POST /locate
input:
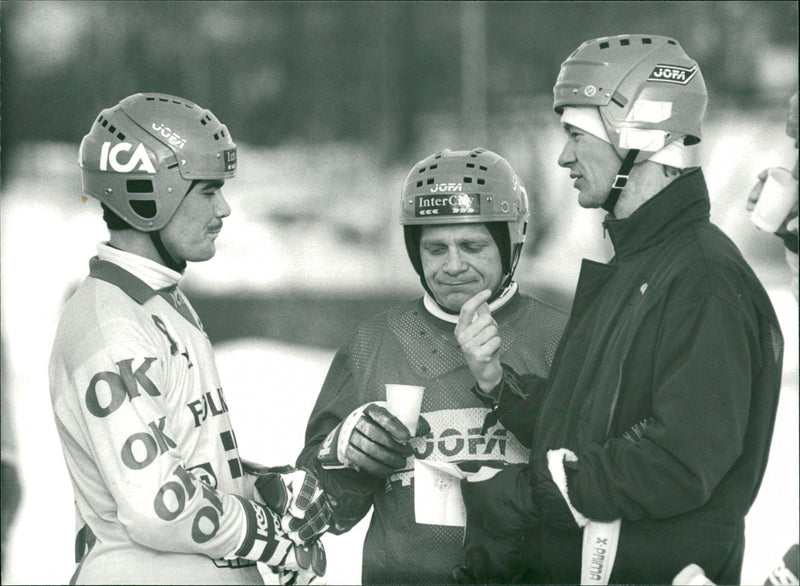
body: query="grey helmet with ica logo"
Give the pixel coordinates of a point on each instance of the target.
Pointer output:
(142, 156)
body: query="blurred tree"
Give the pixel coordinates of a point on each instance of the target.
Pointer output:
(354, 71)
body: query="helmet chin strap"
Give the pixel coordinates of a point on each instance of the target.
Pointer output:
(169, 261)
(447, 315)
(620, 181)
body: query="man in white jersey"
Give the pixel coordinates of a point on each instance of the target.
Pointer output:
(161, 494)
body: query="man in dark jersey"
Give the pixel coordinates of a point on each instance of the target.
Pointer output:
(465, 215)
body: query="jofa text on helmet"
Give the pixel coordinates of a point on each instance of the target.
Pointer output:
(446, 187)
(672, 74)
(110, 156)
(172, 137)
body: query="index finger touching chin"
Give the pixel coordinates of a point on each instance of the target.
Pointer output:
(472, 304)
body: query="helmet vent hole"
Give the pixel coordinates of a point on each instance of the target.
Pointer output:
(139, 186)
(103, 122)
(467, 179)
(604, 45)
(647, 41)
(112, 129)
(481, 182)
(419, 183)
(432, 167)
(216, 136)
(483, 168)
(144, 208)
(120, 136)
(625, 42)
(422, 169)
(470, 165)
(430, 181)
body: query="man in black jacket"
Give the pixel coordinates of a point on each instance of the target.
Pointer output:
(651, 435)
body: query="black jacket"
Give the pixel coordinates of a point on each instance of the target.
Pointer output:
(665, 385)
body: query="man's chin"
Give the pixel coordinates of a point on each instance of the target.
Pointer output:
(454, 301)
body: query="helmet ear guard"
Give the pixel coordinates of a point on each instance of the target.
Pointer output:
(141, 157)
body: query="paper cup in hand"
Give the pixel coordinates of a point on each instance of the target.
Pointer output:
(778, 197)
(404, 402)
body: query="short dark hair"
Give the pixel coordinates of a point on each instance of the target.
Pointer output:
(112, 220)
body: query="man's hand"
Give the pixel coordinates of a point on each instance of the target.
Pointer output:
(302, 565)
(479, 337)
(371, 440)
(297, 496)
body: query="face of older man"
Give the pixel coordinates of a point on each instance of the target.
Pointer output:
(592, 163)
(458, 261)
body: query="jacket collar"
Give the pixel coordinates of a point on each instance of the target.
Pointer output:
(683, 201)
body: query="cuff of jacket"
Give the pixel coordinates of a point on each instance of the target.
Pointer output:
(558, 472)
(509, 383)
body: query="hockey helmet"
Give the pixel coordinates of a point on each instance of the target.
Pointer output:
(648, 90)
(141, 156)
(465, 187)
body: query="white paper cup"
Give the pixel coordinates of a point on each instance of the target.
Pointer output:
(778, 197)
(404, 402)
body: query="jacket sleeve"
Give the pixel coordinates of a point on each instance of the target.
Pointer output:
(122, 403)
(707, 353)
(515, 401)
(349, 492)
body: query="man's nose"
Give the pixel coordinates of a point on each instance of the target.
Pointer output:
(455, 263)
(223, 209)
(567, 156)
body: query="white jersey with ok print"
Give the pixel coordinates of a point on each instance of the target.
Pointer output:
(146, 434)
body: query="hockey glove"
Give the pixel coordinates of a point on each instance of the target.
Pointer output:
(302, 565)
(298, 498)
(371, 440)
(264, 541)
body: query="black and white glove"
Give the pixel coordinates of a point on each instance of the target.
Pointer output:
(303, 564)
(371, 440)
(297, 497)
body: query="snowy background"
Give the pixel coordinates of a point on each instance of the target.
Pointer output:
(48, 235)
(320, 98)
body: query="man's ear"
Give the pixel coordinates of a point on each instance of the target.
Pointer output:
(672, 172)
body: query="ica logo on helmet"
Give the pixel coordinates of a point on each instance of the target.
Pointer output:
(672, 74)
(138, 161)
